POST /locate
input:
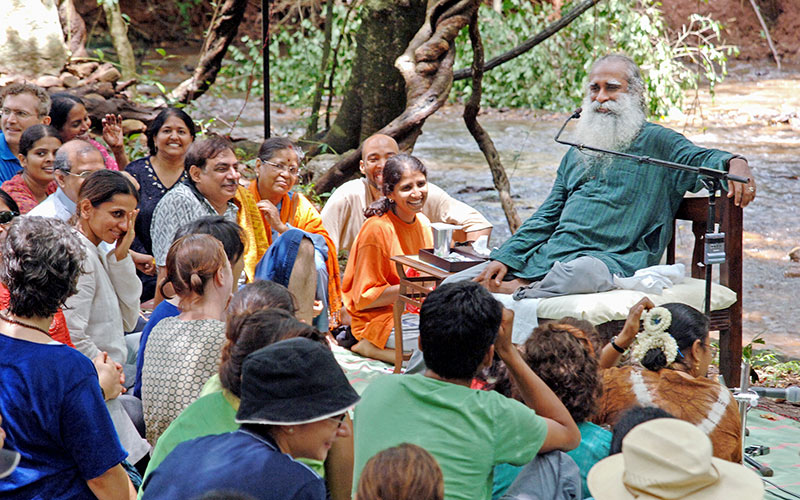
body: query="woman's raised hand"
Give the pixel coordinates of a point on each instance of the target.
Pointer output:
(631, 327)
(272, 214)
(112, 131)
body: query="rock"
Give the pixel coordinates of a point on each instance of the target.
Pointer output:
(69, 80)
(93, 97)
(48, 81)
(31, 40)
(83, 70)
(794, 254)
(131, 126)
(105, 73)
(320, 164)
(793, 271)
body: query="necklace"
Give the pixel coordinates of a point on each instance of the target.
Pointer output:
(26, 325)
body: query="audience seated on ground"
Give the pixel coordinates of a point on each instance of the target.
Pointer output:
(668, 458)
(183, 351)
(395, 226)
(22, 105)
(168, 138)
(289, 219)
(230, 235)
(68, 115)
(675, 352)
(400, 473)
(563, 357)
(37, 151)
(52, 396)
(468, 431)
(294, 398)
(343, 213)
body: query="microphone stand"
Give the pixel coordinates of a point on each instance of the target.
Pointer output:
(711, 179)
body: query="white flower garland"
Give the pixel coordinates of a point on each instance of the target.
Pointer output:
(655, 335)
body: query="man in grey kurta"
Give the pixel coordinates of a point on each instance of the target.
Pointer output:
(606, 215)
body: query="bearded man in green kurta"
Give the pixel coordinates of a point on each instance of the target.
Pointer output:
(606, 215)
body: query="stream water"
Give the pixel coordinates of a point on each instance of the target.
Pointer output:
(755, 113)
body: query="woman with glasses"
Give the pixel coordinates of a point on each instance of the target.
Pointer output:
(278, 169)
(36, 181)
(168, 138)
(294, 399)
(69, 116)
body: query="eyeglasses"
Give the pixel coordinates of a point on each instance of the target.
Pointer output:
(22, 115)
(7, 216)
(293, 170)
(82, 175)
(339, 419)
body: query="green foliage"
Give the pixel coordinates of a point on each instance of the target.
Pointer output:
(295, 57)
(552, 75)
(769, 365)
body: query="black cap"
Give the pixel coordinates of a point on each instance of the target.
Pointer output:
(291, 382)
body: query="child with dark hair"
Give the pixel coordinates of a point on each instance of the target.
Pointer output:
(563, 357)
(674, 349)
(468, 431)
(630, 419)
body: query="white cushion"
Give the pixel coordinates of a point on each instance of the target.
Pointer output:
(598, 308)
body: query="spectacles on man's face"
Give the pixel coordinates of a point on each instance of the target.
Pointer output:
(21, 114)
(7, 216)
(292, 169)
(82, 175)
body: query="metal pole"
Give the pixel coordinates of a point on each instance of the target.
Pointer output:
(265, 62)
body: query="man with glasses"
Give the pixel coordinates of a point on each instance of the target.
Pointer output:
(211, 184)
(22, 105)
(343, 214)
(74, 161)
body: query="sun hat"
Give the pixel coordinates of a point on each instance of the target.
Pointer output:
(292, 382)
(668, 458)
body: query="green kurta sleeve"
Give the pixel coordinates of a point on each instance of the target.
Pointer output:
(617, 210)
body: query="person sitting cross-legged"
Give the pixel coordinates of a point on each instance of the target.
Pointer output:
(468, 431)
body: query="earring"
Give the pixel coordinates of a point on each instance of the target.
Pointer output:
(290, 430)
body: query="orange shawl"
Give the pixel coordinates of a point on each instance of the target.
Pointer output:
(298, 212)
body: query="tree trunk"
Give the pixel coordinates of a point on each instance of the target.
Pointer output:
(74, 28)
(119, 36)
(427, 69)
(223, 29)
(326, 51)
(481, 136)
(375, 93)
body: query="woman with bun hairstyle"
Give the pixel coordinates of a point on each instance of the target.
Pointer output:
(395, 226)
(675, 352)
(183, 351)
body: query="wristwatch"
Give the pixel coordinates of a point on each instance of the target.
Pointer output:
(615, 346)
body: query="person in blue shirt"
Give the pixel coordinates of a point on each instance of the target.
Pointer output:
(22, 105)
(294, 401)
(51, 395)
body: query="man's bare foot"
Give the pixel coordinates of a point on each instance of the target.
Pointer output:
(367, 349)
(507, 287)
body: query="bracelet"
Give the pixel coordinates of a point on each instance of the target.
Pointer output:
(615, 346)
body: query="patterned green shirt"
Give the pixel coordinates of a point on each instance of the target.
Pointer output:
(618, 211)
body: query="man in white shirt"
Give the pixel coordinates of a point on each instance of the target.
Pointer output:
(343, 214)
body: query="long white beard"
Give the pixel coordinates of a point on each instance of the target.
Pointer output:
(614, 129)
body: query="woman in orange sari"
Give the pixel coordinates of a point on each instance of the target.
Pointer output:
(284, 213)
(371, 284)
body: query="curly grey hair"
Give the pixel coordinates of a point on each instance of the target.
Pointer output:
(41, 263)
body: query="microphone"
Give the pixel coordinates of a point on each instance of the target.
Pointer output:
(791, 394)
(575, 114)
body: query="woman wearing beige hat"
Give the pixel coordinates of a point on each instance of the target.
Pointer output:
(670, 459)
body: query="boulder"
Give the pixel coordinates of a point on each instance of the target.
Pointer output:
(320, 164)
(83, 70)
(794, 254)
(48, 81)
(130, 126)
(31, 40)
(69, 80)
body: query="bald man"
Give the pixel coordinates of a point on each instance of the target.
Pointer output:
(343, 214)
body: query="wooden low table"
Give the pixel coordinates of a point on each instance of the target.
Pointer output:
(413, 290)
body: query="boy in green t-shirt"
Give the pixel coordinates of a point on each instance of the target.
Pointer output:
(467, 431)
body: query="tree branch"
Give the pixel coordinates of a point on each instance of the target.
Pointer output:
(480, 135)
(531, 42)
